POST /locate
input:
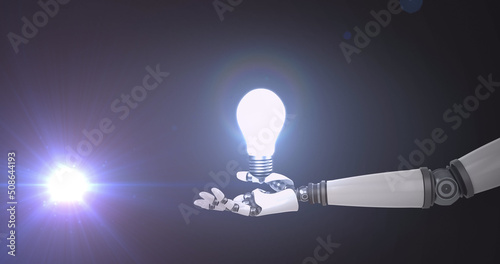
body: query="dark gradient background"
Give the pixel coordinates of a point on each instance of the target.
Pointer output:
(345, 120)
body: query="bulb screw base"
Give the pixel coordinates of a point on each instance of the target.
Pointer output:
(260, 166)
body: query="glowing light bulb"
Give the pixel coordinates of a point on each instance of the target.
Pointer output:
(261, 116)
(67, 185)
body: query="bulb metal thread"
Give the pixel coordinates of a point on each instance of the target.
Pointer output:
(260, 166)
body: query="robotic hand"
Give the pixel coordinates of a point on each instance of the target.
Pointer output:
(471, 174)
(255, 203)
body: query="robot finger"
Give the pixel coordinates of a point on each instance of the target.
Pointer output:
(239, 199)
(223, 201)
(219, 195)
(242, 209)
(209, 202)
(208, 205)
(247, 177)
(207, 196)
(238, 206)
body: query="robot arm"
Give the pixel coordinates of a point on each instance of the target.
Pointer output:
(473, 173)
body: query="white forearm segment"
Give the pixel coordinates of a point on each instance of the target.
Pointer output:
(389, 189)
(475, 172)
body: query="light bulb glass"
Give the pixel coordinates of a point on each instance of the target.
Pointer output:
(261, 116)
